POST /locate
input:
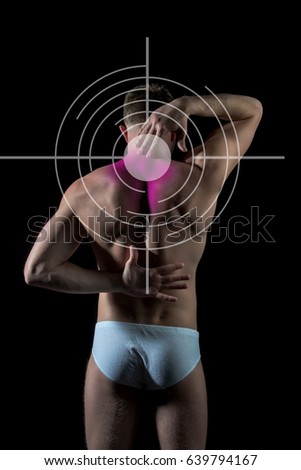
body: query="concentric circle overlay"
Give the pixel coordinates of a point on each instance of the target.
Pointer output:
(144, 168)
(147, 157)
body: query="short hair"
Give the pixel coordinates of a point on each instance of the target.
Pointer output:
(134, 110)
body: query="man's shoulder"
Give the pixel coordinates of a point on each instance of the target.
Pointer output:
(182, 170)
(86, 185)
(96, 177)
(98, 174)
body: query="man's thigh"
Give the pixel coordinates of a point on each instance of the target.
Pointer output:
(182, 413)
(111, 411)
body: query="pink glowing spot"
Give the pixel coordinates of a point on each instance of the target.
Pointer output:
(151, 166)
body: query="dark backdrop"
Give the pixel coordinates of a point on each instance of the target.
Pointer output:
(46, 336)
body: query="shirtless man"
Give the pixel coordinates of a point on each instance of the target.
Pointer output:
(144, 340)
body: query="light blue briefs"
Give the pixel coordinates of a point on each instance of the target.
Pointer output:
(149, 357)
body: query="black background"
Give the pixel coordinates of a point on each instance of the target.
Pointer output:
(46, 336)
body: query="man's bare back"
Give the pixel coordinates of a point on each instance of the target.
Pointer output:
(107, 208)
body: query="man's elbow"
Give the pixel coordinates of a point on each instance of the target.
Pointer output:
(257, 108)
(35, 274)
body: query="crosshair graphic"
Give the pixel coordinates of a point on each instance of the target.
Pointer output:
(117, 86)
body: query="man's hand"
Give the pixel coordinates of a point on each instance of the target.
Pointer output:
(170, 117)
(161, 277)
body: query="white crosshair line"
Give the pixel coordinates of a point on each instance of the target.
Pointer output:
(147, 77)
(147, 255)
(106, 157)
(116, 157)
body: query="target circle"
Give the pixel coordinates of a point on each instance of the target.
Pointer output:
(145, 173)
